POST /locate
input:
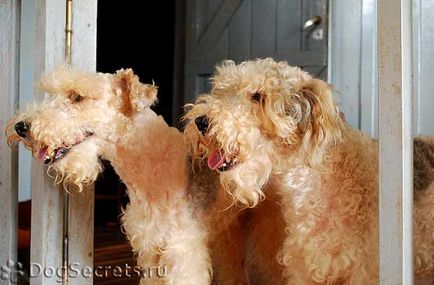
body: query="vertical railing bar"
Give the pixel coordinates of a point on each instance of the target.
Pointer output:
(81, 205)
(407, 88)
(10, 11)
(65, 238)
(395, 135)
(46, 240)
(65, 229)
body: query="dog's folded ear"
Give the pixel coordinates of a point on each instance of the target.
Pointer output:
(322, 124)
(135, 96)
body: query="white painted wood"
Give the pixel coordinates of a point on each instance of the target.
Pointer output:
(26, 90)
(81, 214)
(424, 66)
(369, 70)
(46, 242)
(47, 200)
(407, 139)
(352, 68)
(364, 97)
(417, 37)
(344, 56)
(395, 135)
(9, 33)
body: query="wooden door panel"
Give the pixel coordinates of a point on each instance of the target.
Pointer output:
(240, 45)
(249, 29)
(263, 19)
(288, 27)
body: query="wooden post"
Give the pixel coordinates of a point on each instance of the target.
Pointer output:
(81, 216)
(9, 35)
(396, 143)
(46, 237)
(47, 201)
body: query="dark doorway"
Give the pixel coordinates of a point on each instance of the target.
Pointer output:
(138, 35)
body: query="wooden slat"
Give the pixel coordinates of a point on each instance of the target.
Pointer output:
(395, 136)
(345, 46)
(368, 70)
(310, 9)
(240, 42)
(220, 48)
(309, 58)
(288, 27)
(46, 242)
(9, 35)
(190, 86)
(212, 8)
(81, 216)
(264, 30)
(26, 90)
(424, 65)
(47, 200)
(218, 24)
(201, 9)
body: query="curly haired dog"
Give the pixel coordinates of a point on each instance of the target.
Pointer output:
(177, 211)
(269, 125)
(90, 115)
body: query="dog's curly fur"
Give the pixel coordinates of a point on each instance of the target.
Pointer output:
(91, 115)
(279, 128)
(178, 216)
(423, 209)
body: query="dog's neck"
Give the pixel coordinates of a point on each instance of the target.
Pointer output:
(151, 157)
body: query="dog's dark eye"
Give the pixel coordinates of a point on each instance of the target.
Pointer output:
(75, 97)
(256, 96)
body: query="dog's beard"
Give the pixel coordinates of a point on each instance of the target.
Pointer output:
(78, 168)
(246, 180)
(246, 173)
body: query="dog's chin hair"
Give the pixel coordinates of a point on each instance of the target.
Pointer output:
(74, 175)
(246, 180)
(13, 140)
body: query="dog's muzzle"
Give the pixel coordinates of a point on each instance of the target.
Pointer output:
(22, 128)
(202, 124)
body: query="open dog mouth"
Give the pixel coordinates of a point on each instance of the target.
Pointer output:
(217, 159)
(59, 152)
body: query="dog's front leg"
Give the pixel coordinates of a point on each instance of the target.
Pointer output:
(186, 254)
(171, 245)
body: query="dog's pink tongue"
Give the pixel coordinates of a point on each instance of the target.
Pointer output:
(215, 159)
(42, 153)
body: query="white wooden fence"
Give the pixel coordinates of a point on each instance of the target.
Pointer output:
(9, 27)
(396, 141)
(47, 202)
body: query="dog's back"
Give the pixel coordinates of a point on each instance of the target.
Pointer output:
(423, 162)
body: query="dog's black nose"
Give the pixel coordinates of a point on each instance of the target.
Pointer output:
(202, 124)
(22, 128)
